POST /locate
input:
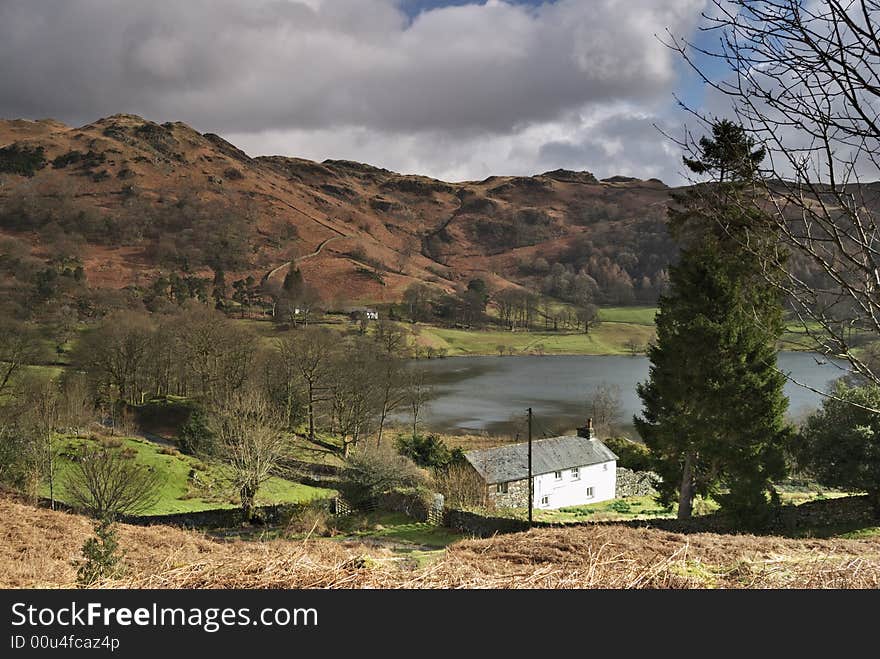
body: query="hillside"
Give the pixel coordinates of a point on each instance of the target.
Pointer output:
(37, 548)
(122, 202)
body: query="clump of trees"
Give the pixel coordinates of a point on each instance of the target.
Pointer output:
(517, 308)
(22, 160)
(429, 451)
(839, 445)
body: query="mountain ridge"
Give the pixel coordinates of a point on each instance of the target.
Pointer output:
(247, 215)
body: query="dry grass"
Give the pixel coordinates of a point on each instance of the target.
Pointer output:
(38, 547)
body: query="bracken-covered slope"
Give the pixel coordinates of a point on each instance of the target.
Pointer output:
(132, 199)
(39, 549)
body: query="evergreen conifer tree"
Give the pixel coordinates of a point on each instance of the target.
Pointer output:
(714, 404)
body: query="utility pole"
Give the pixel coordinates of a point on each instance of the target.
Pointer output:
(531, 486)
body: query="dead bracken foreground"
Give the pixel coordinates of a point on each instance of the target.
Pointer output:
(38, 547)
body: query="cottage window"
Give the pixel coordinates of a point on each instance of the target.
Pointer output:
(605, 467)
(575, 473)
(589, 492)
(558, 475)
(545, 501)
(501, 488)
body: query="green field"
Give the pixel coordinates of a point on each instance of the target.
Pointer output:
(647, 507)
(606, 339)
(190, 484)
(629, 508)
(632, 315)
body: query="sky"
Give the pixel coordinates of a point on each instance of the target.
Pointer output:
(454, 89)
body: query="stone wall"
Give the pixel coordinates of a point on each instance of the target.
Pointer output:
(481, 525)
(635, 483)
(414, 504)
(226, 517)
(517, 495)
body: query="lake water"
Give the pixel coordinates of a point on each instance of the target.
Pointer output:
(474, 394)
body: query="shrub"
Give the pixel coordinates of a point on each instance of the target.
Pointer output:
(840, 444)
(101, 555)
(429, 451)
(630, 454)
(374, 471)
(107, 484)
(312, 519)
(461, 487)
(196, 436)
(68, 158)
(619, 506)
(22, 160)
(371, 274)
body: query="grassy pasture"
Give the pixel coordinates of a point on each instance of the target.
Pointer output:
(190, 485)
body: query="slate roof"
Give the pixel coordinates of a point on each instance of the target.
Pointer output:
(511, 461)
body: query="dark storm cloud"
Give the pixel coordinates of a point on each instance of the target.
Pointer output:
(293, 68)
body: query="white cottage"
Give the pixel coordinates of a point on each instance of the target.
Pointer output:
(570, 470)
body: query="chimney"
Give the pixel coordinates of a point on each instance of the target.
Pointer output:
(587, 431)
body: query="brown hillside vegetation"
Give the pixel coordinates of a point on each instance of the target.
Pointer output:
(130, 199)
(38, 547)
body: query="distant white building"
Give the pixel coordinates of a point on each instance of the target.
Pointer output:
(358, 313)
(571, 470)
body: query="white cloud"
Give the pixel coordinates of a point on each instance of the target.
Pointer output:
(459, 92)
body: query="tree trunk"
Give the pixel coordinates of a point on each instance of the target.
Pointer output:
(311, 412)
(382, 418)
(686, 495)
(248, 493)
(51, 465)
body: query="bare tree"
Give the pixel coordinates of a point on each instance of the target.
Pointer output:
(76, 403)
(217, 351)
(804, 80)
(43, 413)
(461, 486)
(390, 371)
(635, 348)
(116, 356)
(605, 406)
(418, 395)
(308, 356)
(251, 440)
(355, 392)
(18, 347)
(587, 314)
(107, 483)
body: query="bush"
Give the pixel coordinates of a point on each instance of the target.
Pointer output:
(429, 451)
(461, 487)
(619, 506)
(375, 471)
(106, 483)
(101, 555)
(22, 160)
(840, 444)
(630, 454)
(312, 519)
(196, 436)
(67, 159)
